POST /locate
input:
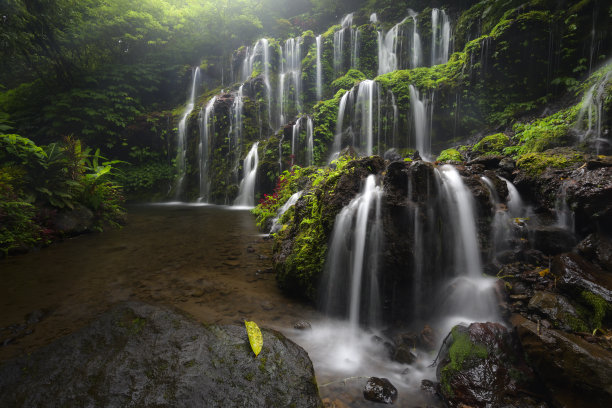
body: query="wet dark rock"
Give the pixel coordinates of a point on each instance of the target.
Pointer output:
(74, 222)
(392, 155)
(482, 366)
(489, 161)
(576, 372)
(557, 309)
(428, 338)
(507, 164)
(403, 354)
(589, 194)
(380, 390)
(552, 240)
(574, 275)
(416, 156)
(428, 386)
(142, 355)
(302, 325)
(597, 248)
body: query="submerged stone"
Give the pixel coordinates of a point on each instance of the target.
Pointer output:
(380, 390)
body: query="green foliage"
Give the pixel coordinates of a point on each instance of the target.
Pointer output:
(53, 177)
(450, 155)
(543, 134)
(146, 177)
(536, 163)
(492, 144)
(346, 82)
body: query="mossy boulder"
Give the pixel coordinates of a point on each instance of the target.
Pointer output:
(450, 155)
(535, 164)
(491, 145)
(480, 366)
(144, 355)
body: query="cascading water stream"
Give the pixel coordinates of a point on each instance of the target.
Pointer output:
(353, 255)
(290, 68)
(416, 55)
(246, 194)
(593, 107)
(346, 24)
(319, 70)
(295, 136)
(389, 48)
(440, 36)
(421, 119)
(309, 142)
(516, 207)
(364, 105)
(340, 120)
(206, 130)
(469, 296)
(236, 130)
(181, 148)
(276, 225)
(500, 223)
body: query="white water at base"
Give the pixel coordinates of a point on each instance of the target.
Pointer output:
(246, 194)
(344, 357)
(181, 161)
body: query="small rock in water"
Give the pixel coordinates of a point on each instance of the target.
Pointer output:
(428, 338)
(403, 355)
(380, 390)
(428, 386)
(302, 325)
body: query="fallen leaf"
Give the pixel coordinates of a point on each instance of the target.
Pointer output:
(255, 337)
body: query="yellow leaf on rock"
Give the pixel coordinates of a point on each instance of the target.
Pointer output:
(255, 337)
(544, 272)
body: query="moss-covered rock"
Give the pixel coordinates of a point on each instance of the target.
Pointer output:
(450, 155)
(536, 163)
(480, 366)
(491, 145)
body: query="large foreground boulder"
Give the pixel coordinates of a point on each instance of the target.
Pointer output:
(143, 355)
(481, 366)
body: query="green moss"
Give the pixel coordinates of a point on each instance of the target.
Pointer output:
(599, 308)
(492, 144)
(536, 163)
(462, 350)
(450, 155)
(349, 80)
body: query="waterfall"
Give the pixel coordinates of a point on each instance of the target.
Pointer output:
(290, 68)
(181, 160)
(345, 24)
(236, 129)
(364, 105)
(338, 136)
(500, 223)
(295, 137)
(421, 121)
(246, 194)
(440, 36)
(276, 225)
(468, 295)
(389, 48)
(516, 208)
(565, 215)
(352, 260)
(593, 107)
(309, 142)
(355, 38)
(319, 70)
(373, 18)
(261, 48)
(206, 130)
(416, 57)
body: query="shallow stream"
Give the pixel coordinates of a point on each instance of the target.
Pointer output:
(209, 261)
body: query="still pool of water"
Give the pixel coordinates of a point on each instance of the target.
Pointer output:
(209, 261)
